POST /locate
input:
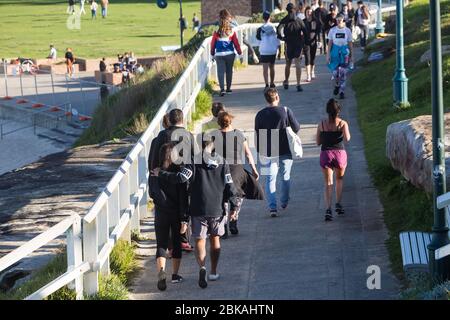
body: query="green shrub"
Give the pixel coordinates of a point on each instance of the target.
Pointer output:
(123, 260)
(110, 288)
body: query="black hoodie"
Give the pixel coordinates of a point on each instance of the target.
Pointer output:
(294, 30)
(212, 185)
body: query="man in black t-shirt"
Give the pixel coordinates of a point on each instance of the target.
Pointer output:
(321, 13)
(269, 122)
(293, 32)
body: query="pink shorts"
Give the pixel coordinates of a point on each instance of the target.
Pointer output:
(333, 159)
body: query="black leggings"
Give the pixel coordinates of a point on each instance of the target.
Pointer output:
(310, 54)
(167, 227)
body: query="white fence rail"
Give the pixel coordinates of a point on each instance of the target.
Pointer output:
(123, 202)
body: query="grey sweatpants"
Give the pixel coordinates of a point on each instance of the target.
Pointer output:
(225, 66)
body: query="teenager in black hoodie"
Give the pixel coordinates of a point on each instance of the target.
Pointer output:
(212, 185)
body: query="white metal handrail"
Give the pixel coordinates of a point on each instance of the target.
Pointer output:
(123, 202)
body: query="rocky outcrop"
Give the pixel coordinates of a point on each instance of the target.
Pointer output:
(409, 149)
(39, 195)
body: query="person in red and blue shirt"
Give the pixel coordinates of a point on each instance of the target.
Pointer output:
(224, 46)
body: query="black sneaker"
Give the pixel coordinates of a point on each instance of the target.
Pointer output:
(202, 278)
(233, 227)
(299, 88)
(285, 85)
(272, 85)
(266, 87)
(225, 235)
(273, 213)
(229, 91)
(339, 209)
(176, 278)
(162, 280)
(336, 90)
(222, 93)
(341, 96)
(328, 215)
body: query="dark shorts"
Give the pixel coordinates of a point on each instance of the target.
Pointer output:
(333, 159)
(204, 226)
(293, 50)
(268, 59)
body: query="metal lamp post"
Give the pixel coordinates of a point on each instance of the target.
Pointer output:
(440, 269)
(400, 80)
(379, 27)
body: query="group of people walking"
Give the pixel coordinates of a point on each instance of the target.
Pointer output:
(304, 31)
(202, 181)
(94, 7)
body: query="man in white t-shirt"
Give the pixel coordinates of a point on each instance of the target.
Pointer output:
(268, 48)
(339, 57)
(52, 54)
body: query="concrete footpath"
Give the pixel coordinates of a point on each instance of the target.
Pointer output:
(296, 255)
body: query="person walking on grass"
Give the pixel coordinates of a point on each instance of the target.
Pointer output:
(71, 7)
(268, 48)
(104, 4)
(224, 43)
(310, 48)
(292, 30)
(170, 196)
(82, 11)
(339, 57)
(212, 185)
(331, 135)
(231, 145)
(94, 7)
(275, 157)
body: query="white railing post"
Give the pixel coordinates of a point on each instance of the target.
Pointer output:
(103, 236)
(142, 176)
(114, 209)
(134, 187)
(75, 255)
(90, 254)
(124, 201)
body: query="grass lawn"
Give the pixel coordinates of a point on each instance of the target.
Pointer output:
(29, 26)
(406, 207)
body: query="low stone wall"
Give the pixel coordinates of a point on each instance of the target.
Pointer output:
(409, 149)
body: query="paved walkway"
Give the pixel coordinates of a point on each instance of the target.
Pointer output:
(297, 255)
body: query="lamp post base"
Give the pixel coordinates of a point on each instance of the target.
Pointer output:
(400, 87)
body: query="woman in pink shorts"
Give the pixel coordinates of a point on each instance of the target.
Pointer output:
(331, 135)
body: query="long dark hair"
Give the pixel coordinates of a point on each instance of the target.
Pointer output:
(165, 155)
(225, 28)
(333, 109)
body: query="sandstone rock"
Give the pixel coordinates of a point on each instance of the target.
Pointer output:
(427, 55)
(409, 149)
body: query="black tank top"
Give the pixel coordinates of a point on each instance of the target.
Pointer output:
(332, 140)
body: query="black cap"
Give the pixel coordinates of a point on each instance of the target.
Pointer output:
(266, 15)
(332, 6)
(289, 7)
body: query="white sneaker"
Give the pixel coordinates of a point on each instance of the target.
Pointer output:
(308, 79)
(313, 75)
(213, 277)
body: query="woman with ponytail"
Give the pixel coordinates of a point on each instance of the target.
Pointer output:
(224, 43)
(331, 135)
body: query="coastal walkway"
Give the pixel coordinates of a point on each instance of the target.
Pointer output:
(296, 255)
